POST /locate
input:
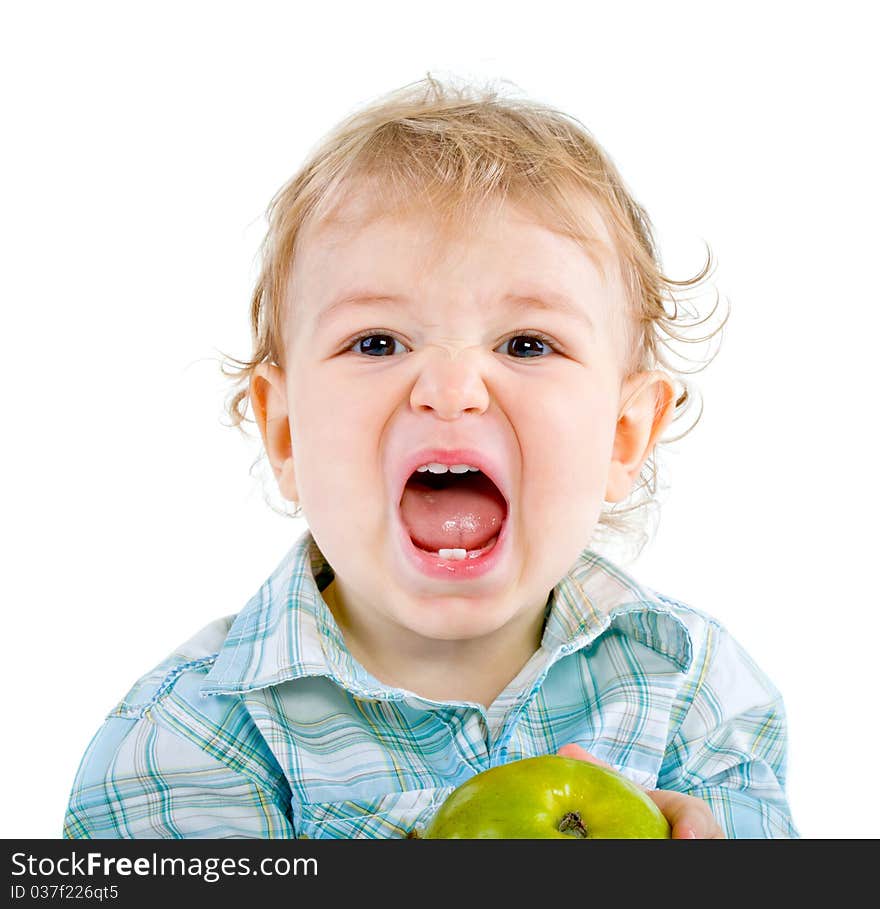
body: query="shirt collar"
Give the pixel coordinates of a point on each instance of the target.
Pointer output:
(286, 631)
(595, 595)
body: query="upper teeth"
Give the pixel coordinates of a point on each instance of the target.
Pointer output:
(434, 467)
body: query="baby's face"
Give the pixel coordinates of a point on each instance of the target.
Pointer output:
(445, 371)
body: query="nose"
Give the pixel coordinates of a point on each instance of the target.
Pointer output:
(450, 384)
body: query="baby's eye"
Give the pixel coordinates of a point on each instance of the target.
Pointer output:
(528, 345)
(520, 346)
(375, 345)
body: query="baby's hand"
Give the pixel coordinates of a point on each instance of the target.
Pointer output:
(689, 817)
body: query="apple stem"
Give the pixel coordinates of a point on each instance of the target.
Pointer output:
(572, 825)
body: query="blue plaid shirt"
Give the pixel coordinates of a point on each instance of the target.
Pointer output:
(264, 725)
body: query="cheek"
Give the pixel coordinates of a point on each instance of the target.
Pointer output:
(336, 431)
(567, 451)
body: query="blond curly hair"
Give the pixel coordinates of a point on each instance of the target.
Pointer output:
(457, 148)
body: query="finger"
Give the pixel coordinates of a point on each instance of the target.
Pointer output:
(685, 830)
(689, 818)
(575, 751)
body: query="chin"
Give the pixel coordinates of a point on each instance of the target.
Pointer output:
(454, 619)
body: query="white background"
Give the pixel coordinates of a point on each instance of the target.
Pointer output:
(141, 145)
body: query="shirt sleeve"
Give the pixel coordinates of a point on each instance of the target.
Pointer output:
(178, 766)
(730, 747)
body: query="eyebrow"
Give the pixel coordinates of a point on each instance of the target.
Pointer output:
(543, 301)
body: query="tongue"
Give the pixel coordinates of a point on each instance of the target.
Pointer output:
(465, 514)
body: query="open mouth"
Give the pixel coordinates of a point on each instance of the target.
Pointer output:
(452, 515)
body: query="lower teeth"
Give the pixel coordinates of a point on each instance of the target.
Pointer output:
(460, 554)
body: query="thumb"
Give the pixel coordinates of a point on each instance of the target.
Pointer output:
(575, 751)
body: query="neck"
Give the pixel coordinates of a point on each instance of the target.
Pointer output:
(475, 670)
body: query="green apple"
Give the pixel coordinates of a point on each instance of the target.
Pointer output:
(549, 797)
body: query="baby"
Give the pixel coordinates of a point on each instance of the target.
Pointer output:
(457, 376)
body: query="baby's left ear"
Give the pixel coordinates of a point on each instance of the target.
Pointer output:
(647, 407)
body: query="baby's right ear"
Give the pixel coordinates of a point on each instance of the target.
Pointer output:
(268, 396)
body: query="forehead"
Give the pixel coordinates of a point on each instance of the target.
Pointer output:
(349, 217)
(514, 248)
